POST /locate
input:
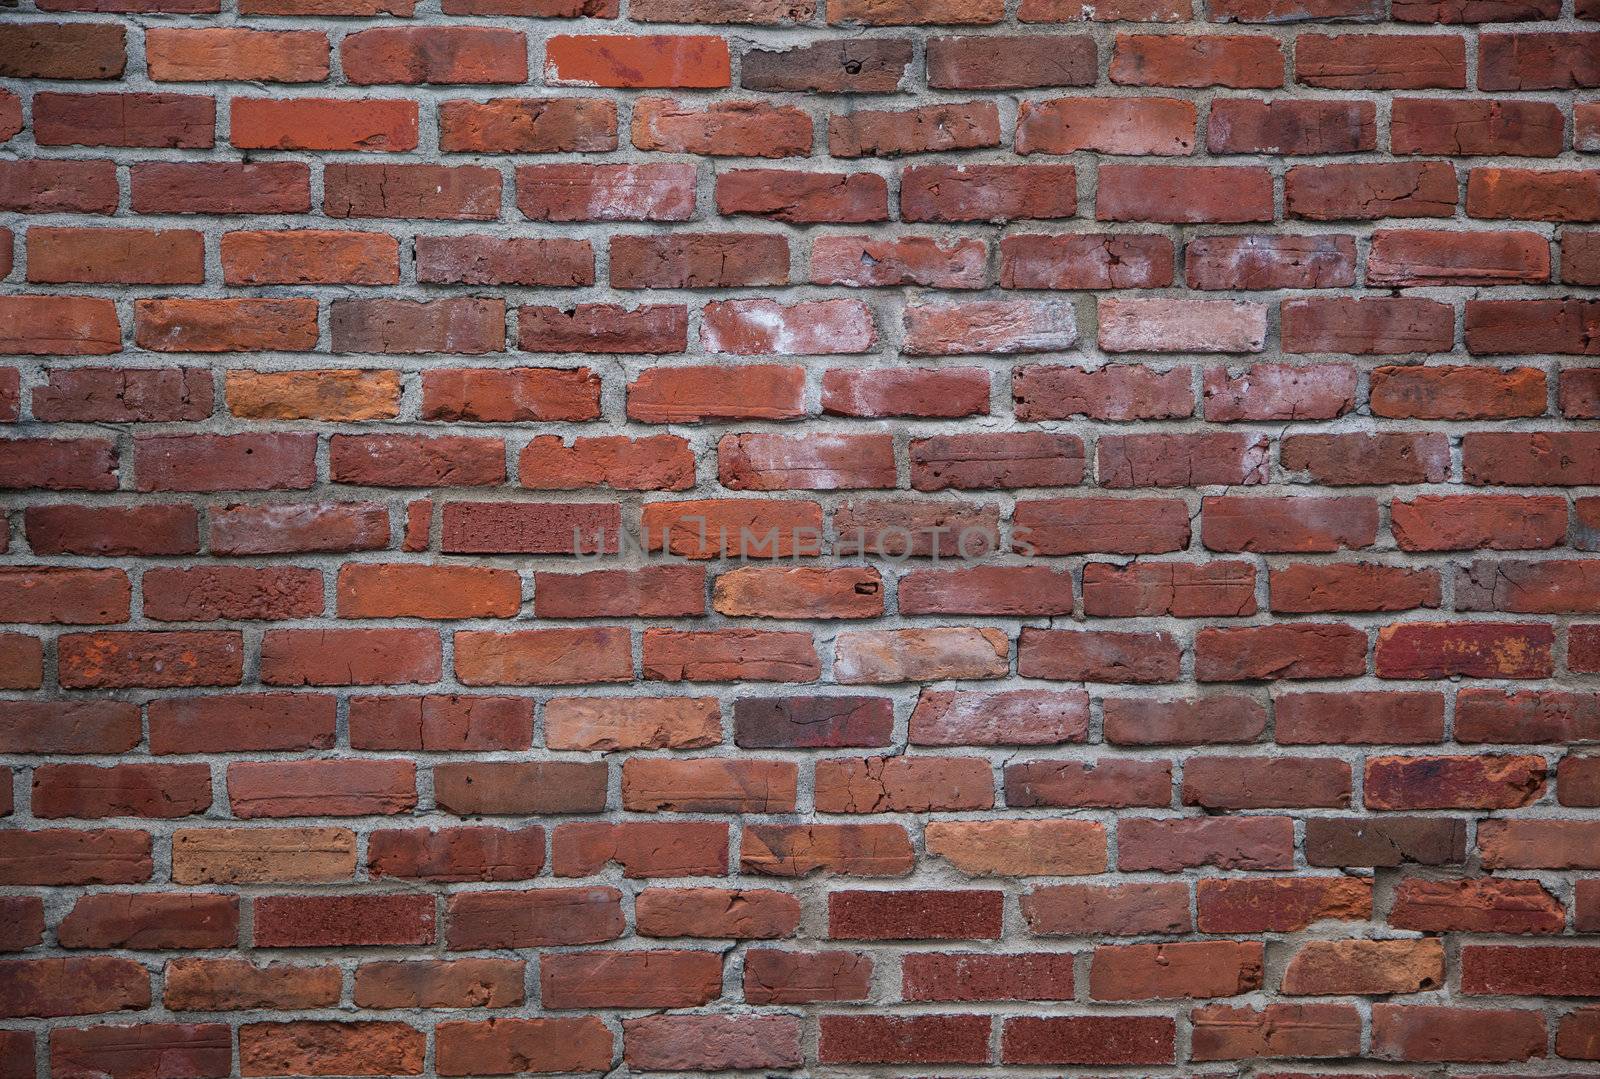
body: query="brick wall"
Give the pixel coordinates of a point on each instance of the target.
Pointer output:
(1174, 428)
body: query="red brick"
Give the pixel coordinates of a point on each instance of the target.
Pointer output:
(653, 979)
(1183, 194)
(1114, 910)
(460, 983)
(1476, 905)
(1385, 841)
(1358, 460)
(235, 984)
(1006, 590)
(59, 326)
(692, 394)
(1465, 522)
(1182, 590)
(1224, 1032)
(812, 722)
(220, 187)
(777, 977)
(1533, 195)
(1249, 126)
(717, 913)
(345, 657)
(1469, 649)
(642, 849)
(283, 528)
(915, 12)
(244, 722)
(387, 125)
(162, 791)
(1217, 719)
(856, 850)
(512, 395)
(250, 462)
(1266, 261)
(1381, 61)
(764, 327)
(849, 65)
(1265, 783)
(76, 986)
(1359, 718)
(1280, 906)
(505, 1046)
(60, 594)
(803, 197)
(1292, 524)
(603, 328)
(920, 1039)
(21, 661)
(1401, 1032)
(1109, 125)
(406, 461)
(713, 1042)
(929, 129)
(1475, 127)
(709, 260)
(175, 54)
(1401, 257)
(334, 788)
(543, 657)
(1114, 392)
(456, 854)
(1012, 62)
(149, 659)
(1106, 782)
(1537, 844)
(652, 591)
(315, 921)
(729, 655)
(606, 192)
(917, 392)
(1024, 459)
(330, 1048)
(730, 129)
(62, 856)
(1287, 651)
(127, 119)
(1564, 457)
(684, 61)
(1316, 589)
(435, 55)
(115, 256)
(72, 50)
(1098, 656)
(146, 1050)
(756, 528)
(1369, 191)
(968, 914)
(230, 325)
(540, 918)
(506, 125)
(987, 192)
(429, 192)
(1196, 969)
(1099, 525)
(1242, 61)
(1096, 1039)
(708, 785)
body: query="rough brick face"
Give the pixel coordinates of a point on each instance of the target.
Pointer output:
(710, 536)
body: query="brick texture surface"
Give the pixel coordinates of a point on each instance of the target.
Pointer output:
(804, 537)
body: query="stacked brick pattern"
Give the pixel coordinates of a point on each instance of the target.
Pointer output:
(1257, 337)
